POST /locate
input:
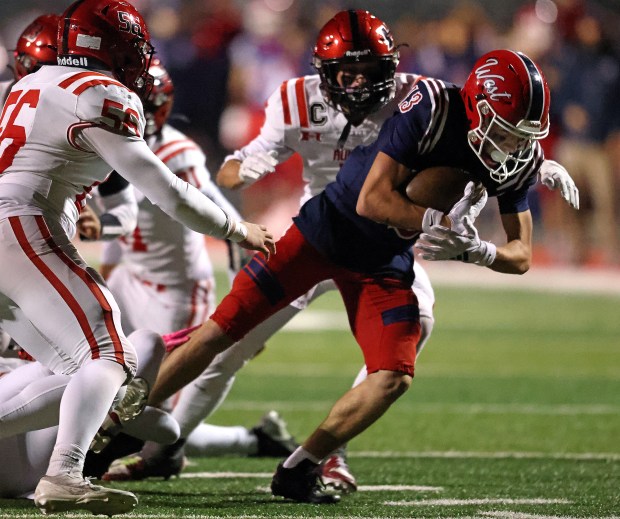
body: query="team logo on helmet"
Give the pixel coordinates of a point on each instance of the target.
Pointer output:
(484, 74)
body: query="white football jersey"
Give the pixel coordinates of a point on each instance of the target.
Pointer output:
(5, 88)
(50, 173)
(298, 119)
(162, 250)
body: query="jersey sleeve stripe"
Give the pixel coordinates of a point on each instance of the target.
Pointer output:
(439, 112)
(72, 134)
(186, 142)
(443, 113)
(176, 152)
(285, 106)
(80, 75)
(302, 107)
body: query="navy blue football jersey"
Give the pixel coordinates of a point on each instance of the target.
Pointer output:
(430, 129)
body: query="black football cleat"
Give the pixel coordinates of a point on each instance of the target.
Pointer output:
(302, 483)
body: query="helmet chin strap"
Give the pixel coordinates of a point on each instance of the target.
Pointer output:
(344, 135)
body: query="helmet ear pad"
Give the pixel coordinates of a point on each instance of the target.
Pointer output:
(356, 38)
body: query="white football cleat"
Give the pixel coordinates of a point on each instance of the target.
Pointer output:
(336, 475)
(130, 407)
(72, 492)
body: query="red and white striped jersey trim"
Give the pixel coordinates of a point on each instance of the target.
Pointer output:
(82, 81)
(174, 148)
(294, 103)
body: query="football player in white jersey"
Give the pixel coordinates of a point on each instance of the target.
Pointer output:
(162, 278)
(161, 275)
(322, 117)
(36, 46)
(64, 128)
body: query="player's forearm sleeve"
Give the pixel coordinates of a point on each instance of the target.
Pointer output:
(134, 161)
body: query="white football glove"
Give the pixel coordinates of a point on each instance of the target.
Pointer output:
(473, 200)
(554, 175)
(257, 165)
(440, 243)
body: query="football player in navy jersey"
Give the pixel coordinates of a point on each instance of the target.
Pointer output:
(350, 233)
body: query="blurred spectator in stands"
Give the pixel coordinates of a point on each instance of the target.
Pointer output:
(448, 47)
(193, 38)
(275, 44)
(585, 107)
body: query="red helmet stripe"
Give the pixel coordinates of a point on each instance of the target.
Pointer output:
(67, 25)
(302, 107)
(536, 106)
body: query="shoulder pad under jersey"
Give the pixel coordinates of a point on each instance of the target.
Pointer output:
(106, 103)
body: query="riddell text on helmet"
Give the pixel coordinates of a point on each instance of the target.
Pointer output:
(72, 62)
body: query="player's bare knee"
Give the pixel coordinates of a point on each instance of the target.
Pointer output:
(392, 384)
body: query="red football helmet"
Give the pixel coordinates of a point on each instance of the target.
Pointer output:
(158, 102)
(36, 46)
(108, 34)
(356, 58)
(507, 103)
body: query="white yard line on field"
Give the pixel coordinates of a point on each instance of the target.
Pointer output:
(226, 475)
(520, 515)
(469, 408)
(486, 501)
(362, 488)
(578, 456)
(398, 488)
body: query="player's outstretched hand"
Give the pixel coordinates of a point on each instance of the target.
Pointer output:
(554, 176)
(259, 239)
(257, 165)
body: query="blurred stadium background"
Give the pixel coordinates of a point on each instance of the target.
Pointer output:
(226, 57)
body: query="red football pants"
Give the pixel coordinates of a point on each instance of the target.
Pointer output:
(383, 313)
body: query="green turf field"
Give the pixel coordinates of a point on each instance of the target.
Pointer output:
(514, 413)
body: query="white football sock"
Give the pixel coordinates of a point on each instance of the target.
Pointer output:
(298, 456)
(213, 440)
(85, 403)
